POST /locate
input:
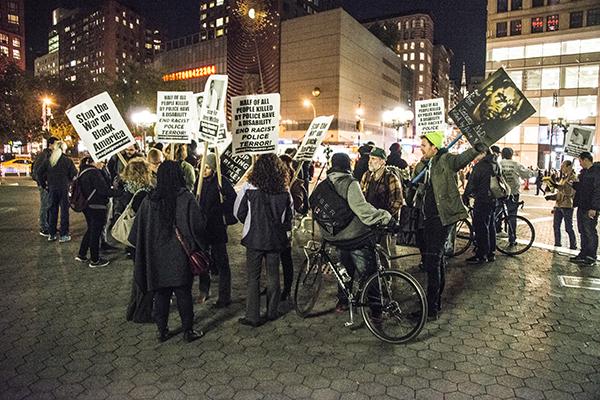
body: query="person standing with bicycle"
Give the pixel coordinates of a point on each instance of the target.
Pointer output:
(441, 207)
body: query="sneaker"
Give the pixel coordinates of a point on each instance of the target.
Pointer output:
(81, 259)
(44, 233)
(588, 262)
(100, 263)
(557, 245)
(64, 239)
(52, 238)
(491, 257)
(577, 258)
(475, 260)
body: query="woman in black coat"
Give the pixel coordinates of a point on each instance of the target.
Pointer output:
(161, 263)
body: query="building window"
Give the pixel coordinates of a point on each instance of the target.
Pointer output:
(501, 6)
(16, 42)
(422, 56)
(533, 79)
(537, 3)
(4, 50)
(515, 27)
(585, 76)
(405, 46)
(550, 78)
(219, 22)
(405, 56)
(516, 5)
(117, 18)
(421, 91)
(552, 23)
(576, 19)
(421, 67)
(412, 56)
(501, 29)
(412, 45)
(421, 78)
(593, 17)
(412, 66)
(220, 32)
(3, 38)
(16, 54)
(553, 2)
(422, 45)
(13, 19)
(537, 25)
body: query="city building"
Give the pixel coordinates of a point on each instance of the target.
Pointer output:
(12, 31)
(318, 65)
(46, 65)
(440, 74)
(551, 49)
(411, 36)
(454, 95)
(153, 44)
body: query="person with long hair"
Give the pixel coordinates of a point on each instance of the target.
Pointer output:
(58, 172)
(264, 206)
(161, 262)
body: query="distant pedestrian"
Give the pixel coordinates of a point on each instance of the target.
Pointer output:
(362, 164)
(539, 181)
(264, 206)
(58, 172)
(161, 263)
(395, 158)
(41, 182)
(563, 208)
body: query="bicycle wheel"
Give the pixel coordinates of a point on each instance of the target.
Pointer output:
(308, 285)
(394, 306)
(464, 237)
(516, 238)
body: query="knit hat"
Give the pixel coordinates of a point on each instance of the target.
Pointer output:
(436, 138)
(378, 152)
(341, 162)
(211, 161)
(395, 147)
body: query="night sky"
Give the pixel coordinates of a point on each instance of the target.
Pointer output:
(460, 25)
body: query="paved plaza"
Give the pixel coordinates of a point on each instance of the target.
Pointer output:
(508, 330)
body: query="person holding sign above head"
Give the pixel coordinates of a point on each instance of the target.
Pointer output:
(264, 206)
(216, 229)
(441, 207)
(168, 221)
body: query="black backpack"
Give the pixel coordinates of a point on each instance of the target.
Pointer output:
(78, 201)
(330, 210)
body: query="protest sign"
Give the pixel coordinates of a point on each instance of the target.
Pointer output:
(492, 110)
(313, 138)
(579, 139)
(234, 167)
(213, 108)
(100, 127)
(177, 117)
(255, 126)
(429, 116)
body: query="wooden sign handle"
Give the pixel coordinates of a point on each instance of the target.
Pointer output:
(202, 167)
(219, 176)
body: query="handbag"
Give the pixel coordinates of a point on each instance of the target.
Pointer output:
(122, 227)
(199, 261)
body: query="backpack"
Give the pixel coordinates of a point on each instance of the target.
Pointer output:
(78, 201)
(122, 227)
(499, 187)
(330, 210)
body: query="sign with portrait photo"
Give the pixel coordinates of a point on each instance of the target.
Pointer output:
(313, 138)
(492, 110)
(255, 125)
(579, 139)
(213, 107)
(100, 127)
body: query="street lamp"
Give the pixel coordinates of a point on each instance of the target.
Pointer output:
(307, 103)
(397, 118)
(46, 113)
(555, 115)
(143, 118)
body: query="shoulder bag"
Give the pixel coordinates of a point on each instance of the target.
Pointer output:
(199, 261)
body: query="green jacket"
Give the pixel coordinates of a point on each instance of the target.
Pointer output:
(444, 167)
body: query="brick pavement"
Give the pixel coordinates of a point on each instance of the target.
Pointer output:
(508, 330)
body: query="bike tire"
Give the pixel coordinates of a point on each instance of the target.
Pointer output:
(464, 237)
(308, 286)
(525, 236)
(404, 305)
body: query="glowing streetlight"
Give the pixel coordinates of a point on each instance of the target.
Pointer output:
(143, 118)
(307, 103)
(46, 112)
(252, 13)
(397, 118)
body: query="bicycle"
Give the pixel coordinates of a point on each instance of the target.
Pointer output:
(392, 303)
(515, 234)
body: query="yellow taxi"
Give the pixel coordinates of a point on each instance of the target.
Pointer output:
(20, 165)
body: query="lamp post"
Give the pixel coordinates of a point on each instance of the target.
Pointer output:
(143, 118)
(555, 115)
(46, 113)
(307, 103)
(397, 118)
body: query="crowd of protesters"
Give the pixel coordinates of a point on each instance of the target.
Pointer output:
(169, 208)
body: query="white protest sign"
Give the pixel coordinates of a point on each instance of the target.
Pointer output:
(213, 104)
(100, 127)
(429, 116)
(579, 139)
(313, 138)
(255, 126)
(177, 117)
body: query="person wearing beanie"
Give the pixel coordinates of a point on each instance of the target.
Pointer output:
(355, 251)
(441, 207)
(216, 230)
(395, 158)
(362, 164)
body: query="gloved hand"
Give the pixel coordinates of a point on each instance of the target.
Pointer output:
(480, 147)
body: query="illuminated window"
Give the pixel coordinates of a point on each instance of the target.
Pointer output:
(422, 45)
(405, 46)
(16, 54)
(117, 18)
(552, 23)
(421, 67)
(593, 17)
(13, 19)
(412, 45)
(517, 78)
(203, 6)
(501, 6)
(421, 78)
(211, 4)
(412, 56)
(137, 21)
(421, 91)
(219, 2)
(219, 22)
(585, 76)
(3, 38)
(550, 78)
(405, 56)
(130, 25)
(202, 17)
(501, 29)
(422, 56)
(515, 27)
(412, 66)
(4, 50)
(73, 63)
(533, 50)
(576, 19)
(73, 78)
(537, 25)
(533, 79)
(219, 32)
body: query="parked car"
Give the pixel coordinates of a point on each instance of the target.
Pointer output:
(20, 165)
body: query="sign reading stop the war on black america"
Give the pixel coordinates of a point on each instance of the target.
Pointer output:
(313, 138)
(100, 127)
(177, 117)
(255, 127)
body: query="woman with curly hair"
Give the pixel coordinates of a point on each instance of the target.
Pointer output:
(264, 206)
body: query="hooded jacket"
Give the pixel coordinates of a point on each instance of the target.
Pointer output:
(94, 179)
(587, 190)
(479, 182)
(513, 172)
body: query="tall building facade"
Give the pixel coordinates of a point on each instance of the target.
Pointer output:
(440, 74)
(12, 31)
(551, 49)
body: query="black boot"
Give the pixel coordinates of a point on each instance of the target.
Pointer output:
(192, 335)
(164, 335)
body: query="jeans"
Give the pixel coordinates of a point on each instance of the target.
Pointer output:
(287, 265)
(254, 261)
(218, 251)
(59, 199)
(484, 227)
(95, 220)
(361, 261)
(434, 260)
(512, 207)
(588, 232)
(185, 306)
(565, 214)
(44, 209)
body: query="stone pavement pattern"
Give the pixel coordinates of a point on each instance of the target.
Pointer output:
(508, 330)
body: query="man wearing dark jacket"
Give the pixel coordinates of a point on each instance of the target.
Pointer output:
(395, 158)
(587, 201)
(483, 210)
(40, 180)
(362, 164)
